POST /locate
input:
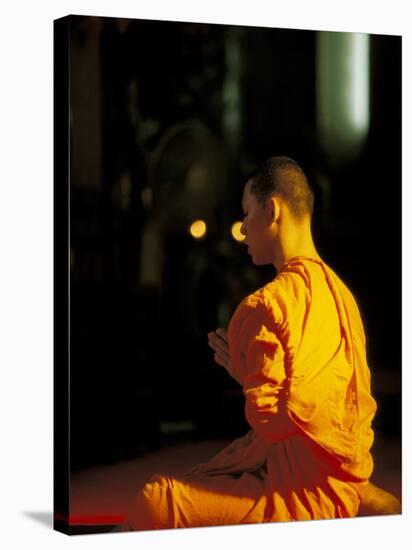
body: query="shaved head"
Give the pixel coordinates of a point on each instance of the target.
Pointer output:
(283, 177)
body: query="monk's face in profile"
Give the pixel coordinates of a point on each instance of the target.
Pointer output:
(257, 227)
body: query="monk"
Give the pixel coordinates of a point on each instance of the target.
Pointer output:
(297, 347)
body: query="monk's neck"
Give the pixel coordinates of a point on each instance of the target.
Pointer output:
(294, 242)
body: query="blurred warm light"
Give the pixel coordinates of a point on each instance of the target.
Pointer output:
(236, 234)
(198, 229)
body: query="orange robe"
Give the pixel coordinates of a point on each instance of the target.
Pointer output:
(297, 347)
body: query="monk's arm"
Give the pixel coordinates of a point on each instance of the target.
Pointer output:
(265, 385)
(219, 343)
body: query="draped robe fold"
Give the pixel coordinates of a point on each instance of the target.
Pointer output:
(298, 348)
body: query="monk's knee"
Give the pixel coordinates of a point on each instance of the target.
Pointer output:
(150, 508)
(377, 501)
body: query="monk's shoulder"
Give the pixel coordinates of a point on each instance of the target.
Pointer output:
(274, 302)
(251, 304)
(288, 289)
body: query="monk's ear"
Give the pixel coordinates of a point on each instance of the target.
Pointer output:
(274, 209)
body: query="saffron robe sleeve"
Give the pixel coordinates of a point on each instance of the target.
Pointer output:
(298, 348)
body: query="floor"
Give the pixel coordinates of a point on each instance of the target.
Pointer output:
(101, 495)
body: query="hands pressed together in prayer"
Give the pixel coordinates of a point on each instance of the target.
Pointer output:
(219, 343)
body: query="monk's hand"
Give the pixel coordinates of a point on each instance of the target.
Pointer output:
(218, 342)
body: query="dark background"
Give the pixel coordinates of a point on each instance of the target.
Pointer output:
(166, 121)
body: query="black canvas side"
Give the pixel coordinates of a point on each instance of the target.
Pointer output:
(61, 250)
